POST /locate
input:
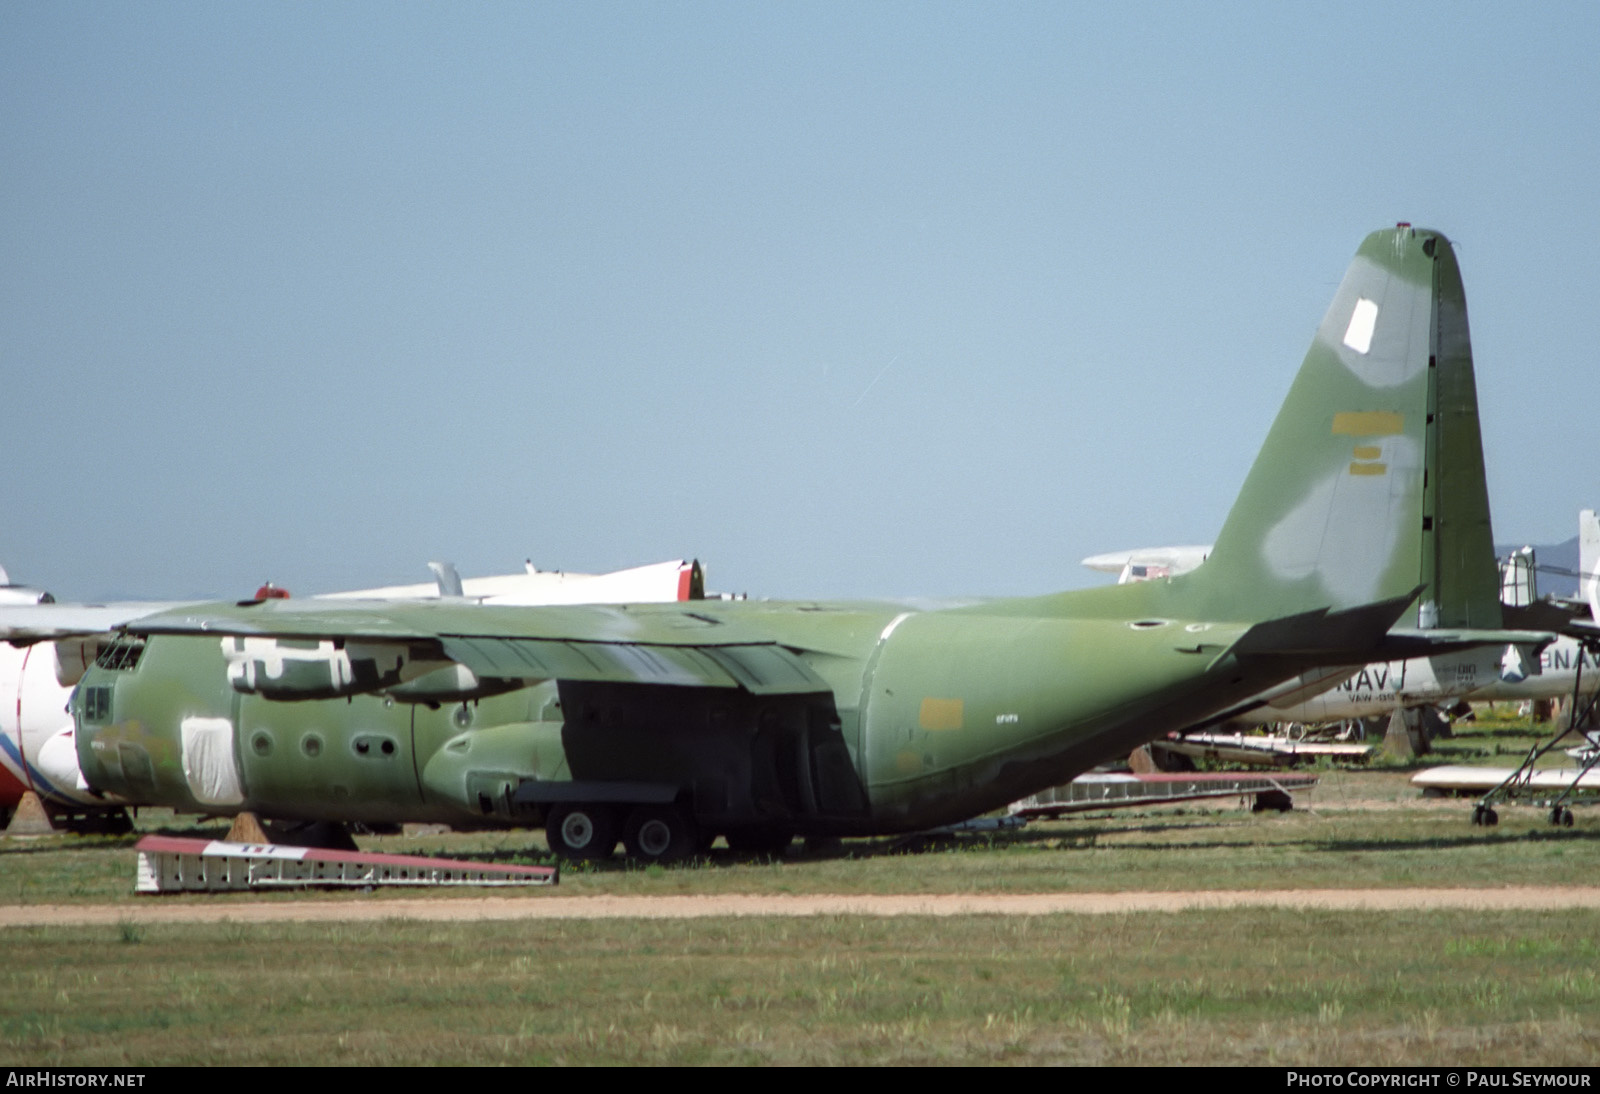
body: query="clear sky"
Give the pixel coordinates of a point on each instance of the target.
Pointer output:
(844, 299)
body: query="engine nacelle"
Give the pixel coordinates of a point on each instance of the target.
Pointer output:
(453, 684)
(292, 669)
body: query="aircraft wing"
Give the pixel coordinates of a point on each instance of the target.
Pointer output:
(595, 643)
(399, 621)
(25, 618)
(23, 624)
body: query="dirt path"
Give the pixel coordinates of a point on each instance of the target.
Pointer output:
(554, 906)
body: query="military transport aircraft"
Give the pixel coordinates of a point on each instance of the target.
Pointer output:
(669, 724)
(48, 645)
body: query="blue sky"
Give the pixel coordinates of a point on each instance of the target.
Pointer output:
(842, 299)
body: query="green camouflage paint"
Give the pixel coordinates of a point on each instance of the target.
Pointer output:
(667, 724)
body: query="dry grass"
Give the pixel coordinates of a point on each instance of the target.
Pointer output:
(1267, 987)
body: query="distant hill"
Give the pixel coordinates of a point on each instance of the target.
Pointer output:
(1558, 566)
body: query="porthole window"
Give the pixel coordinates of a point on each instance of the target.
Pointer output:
(371, 746)
(311, 745)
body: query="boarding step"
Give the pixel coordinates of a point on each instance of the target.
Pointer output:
(170, 864)
(1114, 791)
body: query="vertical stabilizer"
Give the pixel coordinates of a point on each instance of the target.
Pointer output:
(1343, 506)
(1458, 557)
(1589, 560)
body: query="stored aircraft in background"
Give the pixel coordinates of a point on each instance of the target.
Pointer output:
(1509, 673)
(1531, 781)
(48, 645)
(669, 724)
(1148, 563)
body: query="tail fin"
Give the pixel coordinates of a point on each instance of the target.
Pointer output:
(1519, 580)
(1371, 480)
(1589, 560)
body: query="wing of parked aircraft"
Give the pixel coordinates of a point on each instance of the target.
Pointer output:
(1148, 563)
(48, 645)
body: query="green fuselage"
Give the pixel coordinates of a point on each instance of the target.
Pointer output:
(927, 717)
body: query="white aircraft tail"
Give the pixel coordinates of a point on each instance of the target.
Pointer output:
(1589, 560)
(1519, 586)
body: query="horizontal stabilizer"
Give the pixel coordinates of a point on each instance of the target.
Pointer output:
(1401, 644)
(1348, 637)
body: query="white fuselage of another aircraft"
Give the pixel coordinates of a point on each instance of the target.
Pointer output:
(1488, 674)
(36, 747)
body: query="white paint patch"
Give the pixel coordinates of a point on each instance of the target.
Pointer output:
(1358, 335)
(208, 763)
(1346, 529)
(1377, 325)
(253, 661)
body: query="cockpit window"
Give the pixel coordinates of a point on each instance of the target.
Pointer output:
(121, 654)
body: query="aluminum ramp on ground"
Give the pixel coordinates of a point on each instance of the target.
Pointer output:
(170, 864)
(1242, 748)
(1111, 791)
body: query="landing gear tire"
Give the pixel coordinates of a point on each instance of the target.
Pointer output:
(760, 840)
(660, 833)
(1485, 815)
(1561, 817)
(583, 832)
(1276, 800)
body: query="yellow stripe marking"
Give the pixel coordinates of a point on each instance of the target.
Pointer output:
(1367, 452)
(1368, 423)
(1369, 468)
(941, 714)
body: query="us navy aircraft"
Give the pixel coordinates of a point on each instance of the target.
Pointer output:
(1511, 672)
(667, 725)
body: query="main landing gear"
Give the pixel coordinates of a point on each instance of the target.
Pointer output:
(651, 833)
(582, 832)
